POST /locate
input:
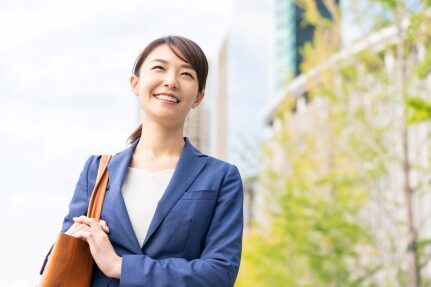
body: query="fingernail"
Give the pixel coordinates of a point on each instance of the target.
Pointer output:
(75, 218)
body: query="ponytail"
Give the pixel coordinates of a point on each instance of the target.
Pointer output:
(135, 135)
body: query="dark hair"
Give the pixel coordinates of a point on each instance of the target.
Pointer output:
(183, 48)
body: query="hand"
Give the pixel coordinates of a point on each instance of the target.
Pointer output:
(75, 227)
(94, 233)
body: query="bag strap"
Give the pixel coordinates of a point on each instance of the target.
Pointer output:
(98, 194)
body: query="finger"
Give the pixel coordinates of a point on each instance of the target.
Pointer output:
(82, 234)
(98, 225)
(104, 225)
(91, 222)
(81, 231)
(79, 219)
(73, 228)
(84, 220)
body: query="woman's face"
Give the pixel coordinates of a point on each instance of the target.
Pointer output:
(167, 86)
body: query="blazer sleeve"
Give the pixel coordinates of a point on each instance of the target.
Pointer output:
(219, 263)
(79, 203)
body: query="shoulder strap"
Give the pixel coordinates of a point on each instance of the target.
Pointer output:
(98, 194)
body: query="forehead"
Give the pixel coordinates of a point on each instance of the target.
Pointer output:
(165, 54)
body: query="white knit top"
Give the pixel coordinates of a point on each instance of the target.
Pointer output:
(142, 191)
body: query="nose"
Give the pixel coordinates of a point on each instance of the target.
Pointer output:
(170, 81)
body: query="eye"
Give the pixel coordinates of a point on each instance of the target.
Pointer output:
(158, 68)
(188, 75)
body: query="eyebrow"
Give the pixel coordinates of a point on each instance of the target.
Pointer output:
(166, 62)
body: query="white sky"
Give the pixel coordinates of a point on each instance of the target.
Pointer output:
(64, 94)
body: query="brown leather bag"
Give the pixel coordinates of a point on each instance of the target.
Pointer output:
(70, 263)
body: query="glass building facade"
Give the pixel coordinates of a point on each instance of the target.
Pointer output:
(291, 34)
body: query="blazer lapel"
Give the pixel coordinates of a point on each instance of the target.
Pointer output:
(114, 200)
(189, 165)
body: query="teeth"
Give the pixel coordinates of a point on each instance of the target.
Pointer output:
(167, 98)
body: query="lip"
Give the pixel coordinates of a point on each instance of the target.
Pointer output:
(167, 94)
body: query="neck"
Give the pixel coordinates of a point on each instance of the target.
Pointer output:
(159, 141)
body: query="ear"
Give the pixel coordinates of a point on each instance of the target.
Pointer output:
(134, 81)
(198, 99)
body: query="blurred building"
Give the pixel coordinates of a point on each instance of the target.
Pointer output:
(291, 32)
(221, 117)
(197, 127)
(218, 86)
(206, 125)
(211, 135)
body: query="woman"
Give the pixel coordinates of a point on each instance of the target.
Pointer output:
(172, 216)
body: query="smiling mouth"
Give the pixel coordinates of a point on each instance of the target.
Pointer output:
(165, 97)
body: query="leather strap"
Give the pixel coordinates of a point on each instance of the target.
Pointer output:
(98, 194)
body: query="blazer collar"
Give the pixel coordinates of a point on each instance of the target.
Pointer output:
(189, 165)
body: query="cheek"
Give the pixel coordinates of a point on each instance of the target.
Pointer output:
(148, 80)
(192, 88)
(145, 87)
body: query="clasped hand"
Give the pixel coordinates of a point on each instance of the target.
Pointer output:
(95, 234)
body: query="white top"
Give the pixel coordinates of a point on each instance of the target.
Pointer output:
(142, 191)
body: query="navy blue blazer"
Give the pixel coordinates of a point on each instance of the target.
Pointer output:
(195, 236)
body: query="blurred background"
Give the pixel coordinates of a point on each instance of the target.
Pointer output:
(324, 106)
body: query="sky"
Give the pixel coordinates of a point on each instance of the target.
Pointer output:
(64, 95)
(248, 81)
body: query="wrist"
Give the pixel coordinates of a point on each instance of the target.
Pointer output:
(116, 267)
